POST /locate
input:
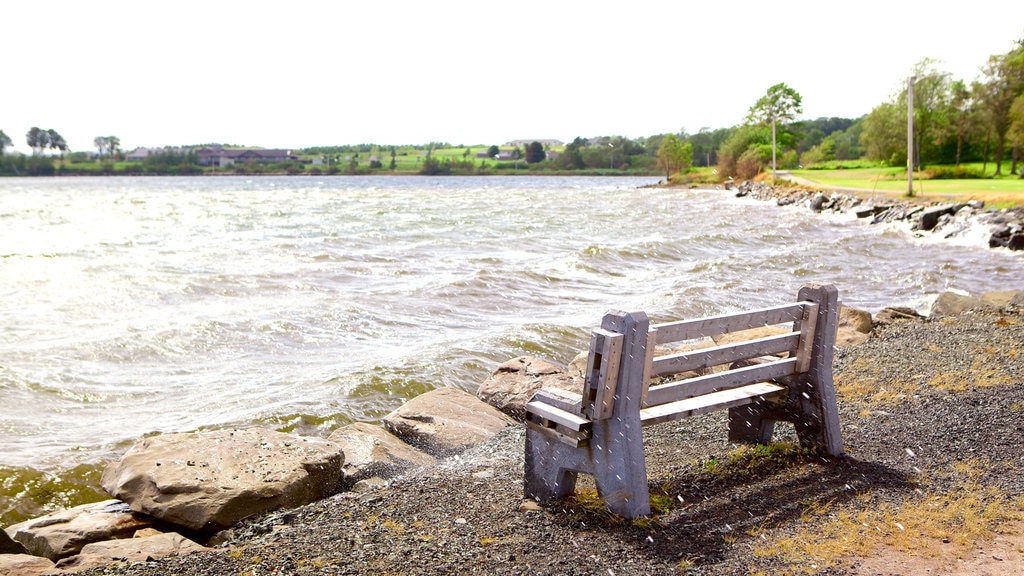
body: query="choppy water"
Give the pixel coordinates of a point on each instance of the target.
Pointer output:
(137, 305)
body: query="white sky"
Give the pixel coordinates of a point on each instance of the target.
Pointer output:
(310, 72)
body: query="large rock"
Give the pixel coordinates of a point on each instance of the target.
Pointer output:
(371, 451)
(446, 421)
(63, 533)
(211, 480)
(891, 314)
(954, 304)
(513, 383)
(855, 326)
(24, 565)
(999, 299)
(131, 550)
(9, 546)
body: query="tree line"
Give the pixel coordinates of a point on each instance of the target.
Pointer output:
(954, 123)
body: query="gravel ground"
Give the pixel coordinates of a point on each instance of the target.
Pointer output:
(916, 400)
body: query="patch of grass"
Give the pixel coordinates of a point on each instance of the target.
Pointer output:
(961, 517)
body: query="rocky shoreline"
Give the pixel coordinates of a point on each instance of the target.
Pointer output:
(1005, 227)
(441, 481)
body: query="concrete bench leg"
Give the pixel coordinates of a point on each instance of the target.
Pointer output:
(551, 467)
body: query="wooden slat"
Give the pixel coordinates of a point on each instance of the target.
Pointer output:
(570, 437)
(559, 398)
(690, 387)
(602, 373)
(559, 416)
(706, 327)
(725, 354)
(808, 324)
(709, 402)
(652, 337)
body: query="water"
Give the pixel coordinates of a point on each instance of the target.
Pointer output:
(132, 306)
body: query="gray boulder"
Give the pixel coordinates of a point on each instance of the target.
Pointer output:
(211, 480)
(144, 549)
(63, 533)
(373, 451)
(446, 421)
(513, 383)
(999, 299)
(953, 304)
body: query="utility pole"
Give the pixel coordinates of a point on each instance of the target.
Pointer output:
(910, 136)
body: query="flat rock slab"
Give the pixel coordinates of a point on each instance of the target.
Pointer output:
(210, 480)
(144, 549)
(513, 383)
(446, 421)
(24, 565)
(373, 451)
(63, 533)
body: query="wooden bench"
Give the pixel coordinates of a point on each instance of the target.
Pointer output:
(785, 377)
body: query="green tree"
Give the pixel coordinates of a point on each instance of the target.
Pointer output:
(674, 155)
(1004, 81)
(884, 137)
(113, 145)
(779, 105)
(37, 139)
(1016, 130)
(493, 151)
(5, 142)
(534, 152)
(56, 142)
(100, 142)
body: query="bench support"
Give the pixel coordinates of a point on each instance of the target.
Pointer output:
(615, 453)
(811, 406)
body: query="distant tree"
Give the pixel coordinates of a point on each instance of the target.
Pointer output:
(5, 142)
(884, 137)
(37, 139)
(113, 145)
(572, 157)
(1016, 130)
(535, 152)
(56, 142)
(780, 105)
(493, 151)
(100, 142)
(674, 155)
(1004, 81)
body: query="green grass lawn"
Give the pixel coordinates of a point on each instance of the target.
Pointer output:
(1001, 191)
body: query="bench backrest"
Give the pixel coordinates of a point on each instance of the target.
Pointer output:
(805, 348)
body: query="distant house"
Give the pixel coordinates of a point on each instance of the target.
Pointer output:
(138, 155)
(545, 143)
(223, 157)
(502, 155)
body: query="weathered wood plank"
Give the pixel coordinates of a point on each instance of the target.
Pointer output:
(808, 324)
(560, 398)
(709, 402)
(714, 325)
(682, 389)
(602, 373)
(564, 435)
(725, 354)
(557, 415)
